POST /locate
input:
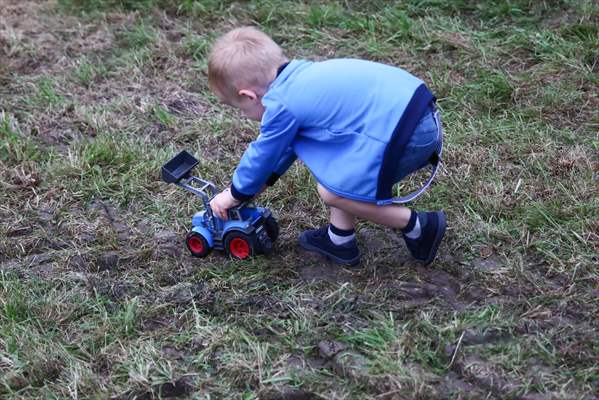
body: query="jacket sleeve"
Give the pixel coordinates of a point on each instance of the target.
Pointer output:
(268, 153)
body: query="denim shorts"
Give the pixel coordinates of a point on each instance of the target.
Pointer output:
(423, 143)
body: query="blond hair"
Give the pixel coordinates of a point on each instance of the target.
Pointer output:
(243, 58)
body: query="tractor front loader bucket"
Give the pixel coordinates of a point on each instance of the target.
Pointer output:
(178, 167)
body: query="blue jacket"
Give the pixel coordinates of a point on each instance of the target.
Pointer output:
(347, 120)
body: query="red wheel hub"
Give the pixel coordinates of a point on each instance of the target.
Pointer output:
(239, 248)
(196, 244)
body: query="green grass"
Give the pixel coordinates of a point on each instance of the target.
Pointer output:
(89, 71)
(99, 299)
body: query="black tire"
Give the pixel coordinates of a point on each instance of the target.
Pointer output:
(197, 244)
(265, 245)
(240, 246)
(272, 228)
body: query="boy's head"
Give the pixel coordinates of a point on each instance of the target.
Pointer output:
(241, 65)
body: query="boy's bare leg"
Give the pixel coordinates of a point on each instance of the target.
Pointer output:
(342, 219)
(344, 211)
(422, 231)
(337, 240)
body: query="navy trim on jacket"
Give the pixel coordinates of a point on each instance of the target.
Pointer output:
(399, 139)
(238, 195)
(282, 67)
(272, 179)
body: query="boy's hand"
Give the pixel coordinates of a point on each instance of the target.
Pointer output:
(222, 202)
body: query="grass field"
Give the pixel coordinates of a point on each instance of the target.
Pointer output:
(99, 298)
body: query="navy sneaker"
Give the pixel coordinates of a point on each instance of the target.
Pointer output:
(318, 240)
(432, 225)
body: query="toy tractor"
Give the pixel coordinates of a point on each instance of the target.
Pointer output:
(249, 230)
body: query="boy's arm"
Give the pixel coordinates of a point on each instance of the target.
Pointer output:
(269, 153)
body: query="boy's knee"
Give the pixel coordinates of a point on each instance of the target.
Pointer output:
(330, 199)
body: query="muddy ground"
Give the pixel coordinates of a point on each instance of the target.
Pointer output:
(100, 299)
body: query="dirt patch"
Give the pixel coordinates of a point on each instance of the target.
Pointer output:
(482, 374)
(156, 323)
(343, 361)
(186, 292)
(287, 394)
(28, 44)
(22, 178)
(26, 264)
(168, 243)
(19, 231)
(432, 284)
(569, 161)
(115, 291)
(456, 386)
(90, 39)
(327, 349)
(183, 104)
(176, 388)
(327, 272)
(491, 264)
(471, 337)
(108, 261)
(375, 241)
(122, 231)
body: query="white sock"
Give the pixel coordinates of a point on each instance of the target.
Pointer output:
(415, 232)
(338, 240)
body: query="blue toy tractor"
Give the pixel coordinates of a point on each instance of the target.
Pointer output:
(249, 230)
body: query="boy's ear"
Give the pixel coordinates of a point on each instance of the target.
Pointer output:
(250, 94)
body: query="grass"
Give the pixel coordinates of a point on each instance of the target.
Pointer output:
(99, 299)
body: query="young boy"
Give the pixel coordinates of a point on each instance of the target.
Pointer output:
(359, 126)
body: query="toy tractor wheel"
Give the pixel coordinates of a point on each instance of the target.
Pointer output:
(239, 245)
(272, 228)
(197, 244)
